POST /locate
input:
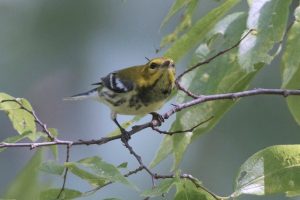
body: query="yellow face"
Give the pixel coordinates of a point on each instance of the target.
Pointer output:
(160, 65)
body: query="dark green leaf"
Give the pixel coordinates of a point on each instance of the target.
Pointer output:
(52, 167)
(272, 170)
(51, 194)
(163, 187)
(26, 186)
(197, 33)
(268, 19)
(186, 190)
(291, 66)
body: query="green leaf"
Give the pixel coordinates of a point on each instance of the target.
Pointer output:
(197, 33)
(104, 170)
(93, 179)
(291, 66)
(222, 75)
(177, 5)
(123, 165)
(51, 194)
(21, 120)
(165, 149)
(180, 143)
(52, 167)
(125, 125)
(186, 190)
(163, 187)
(26, 185)
(185, 23)
(273, 170)
(54, 148)
(268, 19)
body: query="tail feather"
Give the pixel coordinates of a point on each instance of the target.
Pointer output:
(92, 94)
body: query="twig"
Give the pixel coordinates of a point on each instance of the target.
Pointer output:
(36, 119)
(66, 172)
(139, 159)
(181, 131)
(194, 180)
(212, 58)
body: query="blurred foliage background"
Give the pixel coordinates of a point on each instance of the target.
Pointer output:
(53, 49)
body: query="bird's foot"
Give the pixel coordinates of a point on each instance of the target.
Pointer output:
(157, 118)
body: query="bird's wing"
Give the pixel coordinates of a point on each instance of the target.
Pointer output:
(116, 84)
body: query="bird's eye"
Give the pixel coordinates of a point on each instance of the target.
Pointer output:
(154, 65)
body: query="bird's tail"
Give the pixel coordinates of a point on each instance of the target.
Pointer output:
(92, 94)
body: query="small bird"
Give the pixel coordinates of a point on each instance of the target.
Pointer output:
(135, 90)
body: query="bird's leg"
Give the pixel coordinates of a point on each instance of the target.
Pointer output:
(125, 135)
(157, 117)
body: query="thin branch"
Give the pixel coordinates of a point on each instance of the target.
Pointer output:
(36, 119)
(194, 180)
(212, 58)
(177, 108)
(181, 131)
(230, 96)
(139, 159)
(66, 172)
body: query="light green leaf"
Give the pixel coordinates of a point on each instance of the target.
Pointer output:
(291, 66)
(163, 187)
(268, 19)
(185, 23)
(91, 178)
(125, 125)
(197, 33)
(177, 5)
(54, 148)
(51, 194)
(180, 143)
(272, 170)
(165, 149)
(26, 186)
(186, 190)
(21, 120)
(52, 167)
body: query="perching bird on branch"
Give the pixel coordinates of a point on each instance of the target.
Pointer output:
(136, 90)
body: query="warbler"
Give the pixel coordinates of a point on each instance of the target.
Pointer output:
(135, 90)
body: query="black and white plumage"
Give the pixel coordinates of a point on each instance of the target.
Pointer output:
(114, 83)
